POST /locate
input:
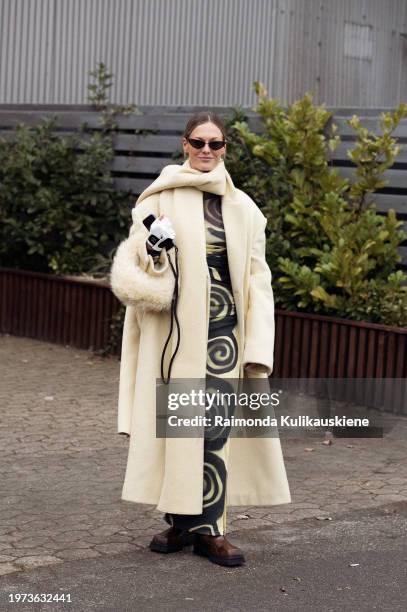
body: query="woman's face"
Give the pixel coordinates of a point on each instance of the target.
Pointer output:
(204, 159)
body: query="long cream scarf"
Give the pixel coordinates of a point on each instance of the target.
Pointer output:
(216, 181)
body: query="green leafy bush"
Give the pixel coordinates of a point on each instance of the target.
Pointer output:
(330, 252)
(59, 211)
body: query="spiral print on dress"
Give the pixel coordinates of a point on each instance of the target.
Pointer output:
(213, 213)
(214, 478)
(216, 434)
(222, 354)
(213, 499)
(221, 301)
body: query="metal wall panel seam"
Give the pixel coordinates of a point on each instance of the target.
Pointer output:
(86, 46)
(247, 76)
(126, 59)
(120, 46)
(17, 50)
(111, 29)
(3, 47)
(137, 53)
(21, 74)
(68, 55)
(143, 55)
(201, 41)
(44, 50)
(97, 57)
(48, 44)
(233, 51)
(267, 68)
(160, 58)
(61, 73)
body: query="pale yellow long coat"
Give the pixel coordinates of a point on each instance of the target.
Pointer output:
(169, 472)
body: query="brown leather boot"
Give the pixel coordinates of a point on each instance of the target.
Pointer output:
(171, 540)
(217, 549)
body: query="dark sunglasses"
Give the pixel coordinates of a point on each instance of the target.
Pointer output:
(215, 145)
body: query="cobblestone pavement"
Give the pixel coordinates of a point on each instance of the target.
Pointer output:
(62, 464)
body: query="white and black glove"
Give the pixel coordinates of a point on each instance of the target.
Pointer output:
(160, 230)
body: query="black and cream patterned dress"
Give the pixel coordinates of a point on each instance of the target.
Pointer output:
(222, 362)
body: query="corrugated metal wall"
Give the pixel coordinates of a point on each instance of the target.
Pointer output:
(198, 52)
(350, 52)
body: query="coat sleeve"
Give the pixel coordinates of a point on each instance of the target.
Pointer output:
(259, 326)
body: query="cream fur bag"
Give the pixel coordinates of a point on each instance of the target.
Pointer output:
(134, 277)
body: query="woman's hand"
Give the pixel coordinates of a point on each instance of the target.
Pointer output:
(160, 230)
(255, 367)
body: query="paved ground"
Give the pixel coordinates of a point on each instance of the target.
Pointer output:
(356, 562)
(62, 468)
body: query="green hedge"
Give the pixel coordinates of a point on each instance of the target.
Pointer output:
(329, 251)
(59, 211)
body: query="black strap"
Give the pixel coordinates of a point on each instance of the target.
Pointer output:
(174, 303)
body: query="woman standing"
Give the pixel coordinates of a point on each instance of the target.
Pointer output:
(226, 315)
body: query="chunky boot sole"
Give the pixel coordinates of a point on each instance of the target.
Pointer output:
(228, 561)
(188, 540)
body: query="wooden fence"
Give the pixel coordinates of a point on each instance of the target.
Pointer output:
(139, 157)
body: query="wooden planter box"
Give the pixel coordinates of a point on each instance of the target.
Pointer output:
(77, 311)
(66, 310)
(316, 346)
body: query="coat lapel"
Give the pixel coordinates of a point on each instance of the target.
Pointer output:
(235, 222)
